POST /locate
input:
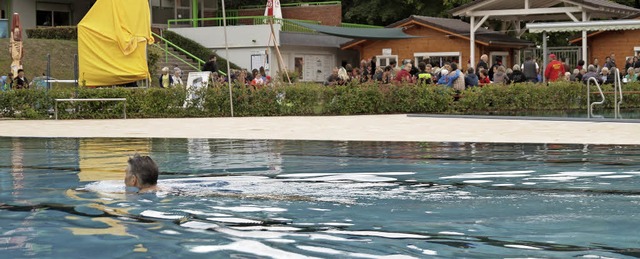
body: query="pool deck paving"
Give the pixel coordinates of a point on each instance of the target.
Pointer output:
(340, 128)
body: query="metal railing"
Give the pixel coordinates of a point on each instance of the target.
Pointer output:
(168, 43)
(589, 103)
(294, 4)
(287, 25)
(617, 89)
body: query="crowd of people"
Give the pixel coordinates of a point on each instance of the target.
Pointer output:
(452, 75)
(10, 81)
(257, 78)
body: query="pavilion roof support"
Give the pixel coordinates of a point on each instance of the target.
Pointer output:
(517, 11)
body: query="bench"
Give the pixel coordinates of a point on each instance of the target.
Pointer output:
(93, 100)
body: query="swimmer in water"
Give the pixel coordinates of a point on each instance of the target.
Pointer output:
(141, 173)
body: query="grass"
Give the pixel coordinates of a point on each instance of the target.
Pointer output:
(35, 57)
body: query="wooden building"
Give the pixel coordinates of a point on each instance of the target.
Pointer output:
(622, 43)
(440, 40)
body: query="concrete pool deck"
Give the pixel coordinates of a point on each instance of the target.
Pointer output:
(340, 128)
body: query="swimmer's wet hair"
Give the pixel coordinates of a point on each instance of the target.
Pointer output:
(144, 168)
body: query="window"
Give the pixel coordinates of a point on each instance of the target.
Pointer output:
(49, 15)
(437, 58)
(162, 10)
(503, 55)
(385, 60)
(636, 50)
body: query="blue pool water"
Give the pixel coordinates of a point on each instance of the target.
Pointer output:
(63, 198)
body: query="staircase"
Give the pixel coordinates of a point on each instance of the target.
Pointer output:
(170, 62)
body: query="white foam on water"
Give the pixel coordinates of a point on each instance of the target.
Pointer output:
(477, 181)
(199, 225)
(451, 233)
(253, 234)
(347, 178)
(523, 247)
(528, 183)
(503, 184)
(235, 220)
(318, 209)
(339, 253)
(267, 228)
(377, 234)
(554, 178)
(577, 174)
(307, 175)
(197, 212)
(336, 224)
(638, 173)
(615, 176)
(107, 186)
(505, 174)
(250, 209)
(170, 232)
(160, 215)
(249, 247)
(424, 251)
(314, 175)
(597, 257)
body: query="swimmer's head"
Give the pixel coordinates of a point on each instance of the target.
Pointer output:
(141, 172)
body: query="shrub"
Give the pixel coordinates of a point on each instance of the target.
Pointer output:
(304, 99)
(54, 33)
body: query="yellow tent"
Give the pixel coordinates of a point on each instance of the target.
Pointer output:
(111, 42)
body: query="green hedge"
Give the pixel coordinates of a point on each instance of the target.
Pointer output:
(305, 99)
(54, 33)
(196, 49)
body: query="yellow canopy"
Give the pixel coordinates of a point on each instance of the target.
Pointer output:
(111, 42)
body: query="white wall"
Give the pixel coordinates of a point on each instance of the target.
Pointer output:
(245, 36)
(27, 11)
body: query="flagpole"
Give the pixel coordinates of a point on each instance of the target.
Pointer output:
(226, 47)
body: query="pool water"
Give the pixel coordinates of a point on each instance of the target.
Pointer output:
(64, 198)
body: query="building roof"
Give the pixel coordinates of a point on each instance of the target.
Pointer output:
(459, 28)
(311, 40)
(597, 8)
(462, 28)
(577, 39)
(357, 33)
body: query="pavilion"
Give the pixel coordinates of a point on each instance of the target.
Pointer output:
(518, 12)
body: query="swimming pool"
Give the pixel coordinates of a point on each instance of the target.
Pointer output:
(290, 199)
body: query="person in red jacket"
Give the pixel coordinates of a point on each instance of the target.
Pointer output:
(555, 69)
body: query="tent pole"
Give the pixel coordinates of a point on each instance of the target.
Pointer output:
(584, 40)
(544, 55)
(275, 44)
(472, 42)
(226, 47)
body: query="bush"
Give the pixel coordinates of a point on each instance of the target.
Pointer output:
(303, 99)
(54, 33)
(196, 49)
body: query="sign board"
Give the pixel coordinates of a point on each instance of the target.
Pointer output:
(386, 52)
(196, 81)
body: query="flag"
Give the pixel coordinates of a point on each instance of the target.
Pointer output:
(273, 9)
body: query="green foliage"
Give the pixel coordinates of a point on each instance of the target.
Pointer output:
(196, 49)
(153, 56)
(54, 33)
(304, 99)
